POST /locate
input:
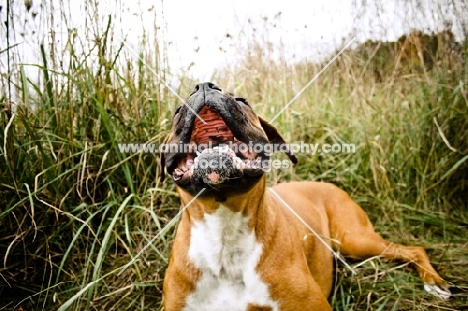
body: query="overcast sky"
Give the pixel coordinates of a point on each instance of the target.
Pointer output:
(205, 34)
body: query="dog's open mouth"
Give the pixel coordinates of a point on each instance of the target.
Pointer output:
(215, 156)
(225, 154)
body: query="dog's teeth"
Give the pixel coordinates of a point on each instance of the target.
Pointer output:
(239, 163)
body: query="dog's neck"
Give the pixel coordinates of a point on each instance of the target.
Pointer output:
(246, 204)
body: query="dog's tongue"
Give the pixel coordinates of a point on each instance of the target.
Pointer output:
(214, 130)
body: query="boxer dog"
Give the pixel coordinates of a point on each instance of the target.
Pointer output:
(237, 246)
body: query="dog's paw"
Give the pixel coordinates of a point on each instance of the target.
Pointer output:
(439, 291)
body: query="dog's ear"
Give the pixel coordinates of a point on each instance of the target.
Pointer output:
(275, 138)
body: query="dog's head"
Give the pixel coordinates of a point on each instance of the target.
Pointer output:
(217, 142)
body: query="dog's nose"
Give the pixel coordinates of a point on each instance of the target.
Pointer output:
(204, 87)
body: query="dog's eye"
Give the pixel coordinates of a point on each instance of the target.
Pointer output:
(241, 100)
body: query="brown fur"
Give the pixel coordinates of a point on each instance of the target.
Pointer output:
(295, 265)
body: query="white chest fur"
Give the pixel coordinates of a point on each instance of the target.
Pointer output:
(227, 254)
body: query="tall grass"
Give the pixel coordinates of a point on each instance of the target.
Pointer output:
(74, 210)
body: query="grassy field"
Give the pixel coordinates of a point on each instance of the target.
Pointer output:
(74, 210)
